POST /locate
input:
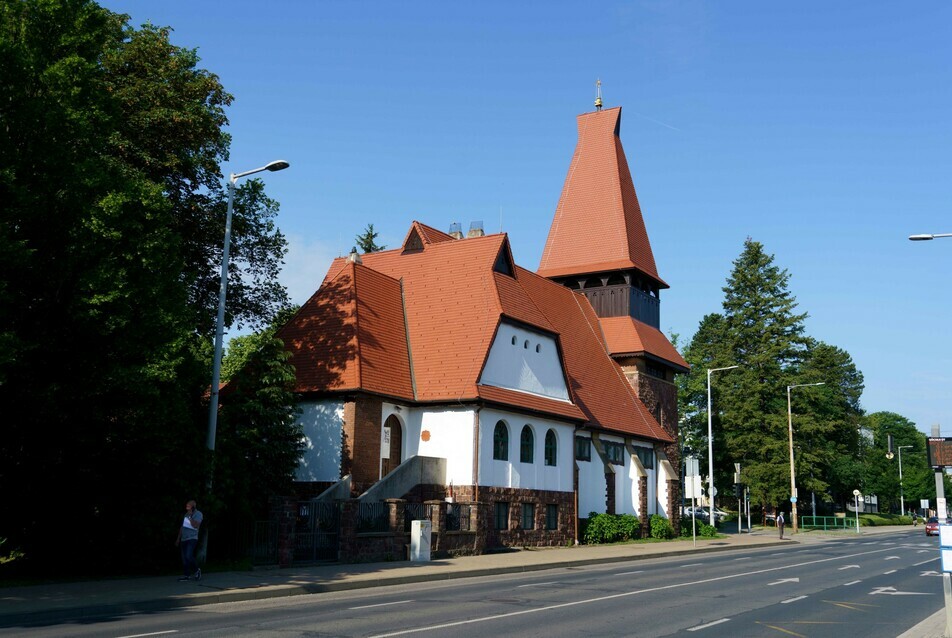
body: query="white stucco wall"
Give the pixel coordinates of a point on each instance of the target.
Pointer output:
(443, 433)
(525, 360)
(591, 485)
(322, 422)
(513, 473)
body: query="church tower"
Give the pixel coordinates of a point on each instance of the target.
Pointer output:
(598, 246)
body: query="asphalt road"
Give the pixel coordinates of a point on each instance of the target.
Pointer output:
(869, 586)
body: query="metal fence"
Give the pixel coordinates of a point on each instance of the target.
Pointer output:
(457, 517)
(373, 517)
(317, 531)
(828, 522)
(416, 512)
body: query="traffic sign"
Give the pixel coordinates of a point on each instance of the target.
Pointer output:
(793, 499)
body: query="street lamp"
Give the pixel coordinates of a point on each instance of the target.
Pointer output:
(927, 236)
(902, 500)
(277, 165)
(793, 473)
(710, 443)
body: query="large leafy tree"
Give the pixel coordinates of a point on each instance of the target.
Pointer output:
(880, 474)
(761, 332)
(111, 139)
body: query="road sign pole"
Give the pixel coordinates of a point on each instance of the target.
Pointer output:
(946, 581)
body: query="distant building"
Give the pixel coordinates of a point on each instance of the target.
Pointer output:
(443, 371)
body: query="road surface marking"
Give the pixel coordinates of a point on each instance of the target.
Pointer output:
(784, 580)
(849, 605)
(891, 571)
(852, 582)
(154, 633)
(930, 573)
(744, 558)
(786, 631)
(891, 591)
(710, 624)
(629, 573)
(693, 565)
(587, 601)
(551, 582)
(848, 567)
(398, 602)
(891, 558)
(792, 600)
(926, 561)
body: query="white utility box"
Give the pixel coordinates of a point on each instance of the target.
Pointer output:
(420, 541)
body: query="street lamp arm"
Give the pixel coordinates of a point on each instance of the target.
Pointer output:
(928, 236)
(277, 165)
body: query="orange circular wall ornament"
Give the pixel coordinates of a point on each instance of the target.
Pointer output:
(425, 435)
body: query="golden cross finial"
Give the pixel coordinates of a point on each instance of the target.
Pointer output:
(598, 95)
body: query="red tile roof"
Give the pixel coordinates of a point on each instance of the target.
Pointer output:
(626, 335)
(598, 224)
(349, 334)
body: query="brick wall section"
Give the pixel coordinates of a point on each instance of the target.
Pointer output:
(515, 535)
(364, 451)
(643, 506)
(284, 512)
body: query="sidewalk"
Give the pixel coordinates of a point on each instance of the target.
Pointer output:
(54, 603)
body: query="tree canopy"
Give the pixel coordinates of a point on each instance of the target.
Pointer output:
(761, 332)
(367, 240)
(111, 230)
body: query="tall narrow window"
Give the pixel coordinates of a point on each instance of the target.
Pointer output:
(583, 448)
(501, 442)
(552, 516)
(526, 443)
(528, 516)
(551, 448)
(501, 516)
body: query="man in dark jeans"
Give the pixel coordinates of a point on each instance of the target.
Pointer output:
(187, 541)
(780, 523)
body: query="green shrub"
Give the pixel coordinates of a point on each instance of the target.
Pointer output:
(661, 527)
(611, 528)
(708, 531)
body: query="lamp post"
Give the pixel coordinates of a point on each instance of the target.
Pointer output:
(793, 473)
(710, 443)
(902, 500)
(277, 165)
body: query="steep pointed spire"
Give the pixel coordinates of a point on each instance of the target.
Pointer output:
(598, 225)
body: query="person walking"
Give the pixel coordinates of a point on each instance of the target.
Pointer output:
(780, 523)
(187, 541)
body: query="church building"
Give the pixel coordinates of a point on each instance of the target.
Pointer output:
(443, 370)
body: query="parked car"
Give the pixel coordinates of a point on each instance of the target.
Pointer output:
(704, 513)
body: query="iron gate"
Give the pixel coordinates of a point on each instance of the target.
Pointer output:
(317, 533)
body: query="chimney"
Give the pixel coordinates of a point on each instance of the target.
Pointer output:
(354, 257)
(456, 230)
(475, 230)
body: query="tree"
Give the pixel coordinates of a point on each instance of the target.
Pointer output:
(110, 235)
(366, 241)
(260, 440)
(880, 474)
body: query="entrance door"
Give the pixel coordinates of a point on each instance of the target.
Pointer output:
(396, 444)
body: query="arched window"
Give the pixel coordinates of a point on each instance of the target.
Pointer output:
(501, 442)
(550, 448)
(526, 445)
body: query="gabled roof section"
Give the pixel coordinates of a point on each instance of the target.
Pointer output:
(420, 235)
(598, 224)
(351, 335)
(598, 385)
(628, 336)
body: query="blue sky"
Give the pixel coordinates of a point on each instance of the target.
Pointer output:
(822, 130)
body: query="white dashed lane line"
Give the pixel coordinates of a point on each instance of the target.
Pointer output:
(792, 600)
(710, 624)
